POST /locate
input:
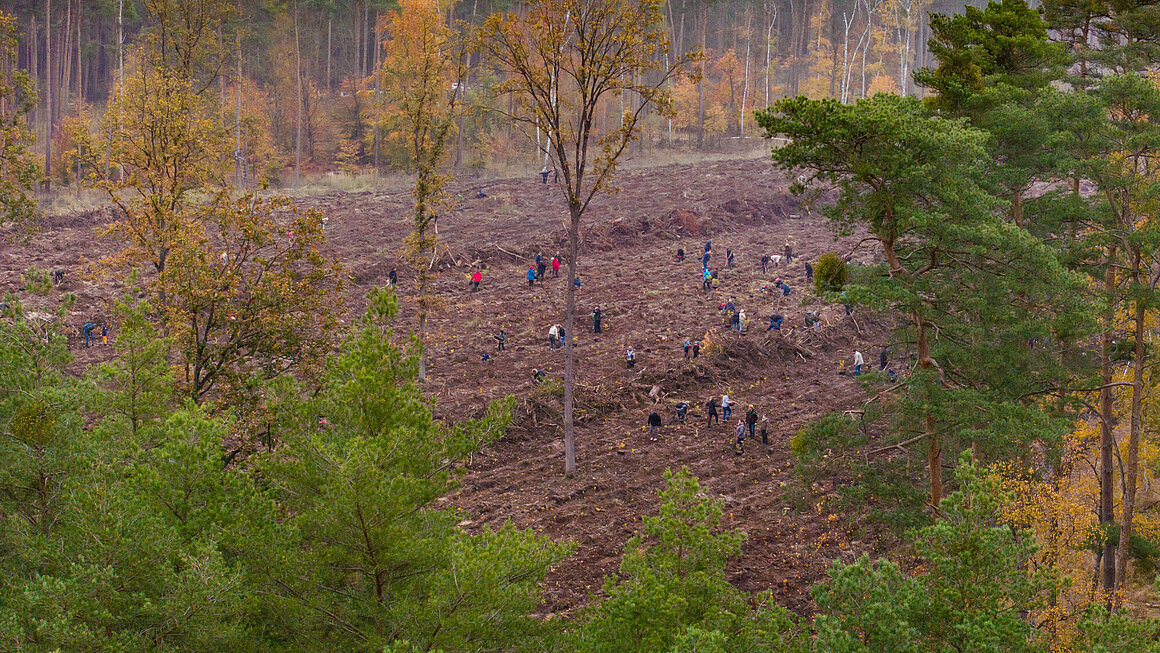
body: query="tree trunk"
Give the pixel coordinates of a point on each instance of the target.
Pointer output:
(240, 181)
(768, 44)
(34, 59)
(745, 86)
(329, 36)
(378, 100)
(78, 88)
(1107, 489)
(934, 448)
(358, 42)
(298, 126)
(66, 60)
(49, 81)
(570, 335)
(1136, 427)
(701, 82)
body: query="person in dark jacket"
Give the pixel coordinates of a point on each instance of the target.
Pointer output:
(654, 425)
(696, 348)
(728, 258)
(597, 317)
(764, 263)
(393, 277)
(788, 252)
(541, 266)
(680, 254)
(682, 412)
(501, 338)
(751, 419)
(775, 322)
(809, 272)
(711, 412)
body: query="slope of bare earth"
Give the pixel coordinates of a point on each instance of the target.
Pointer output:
(651, 303)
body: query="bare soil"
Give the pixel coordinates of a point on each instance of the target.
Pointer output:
(650, 303)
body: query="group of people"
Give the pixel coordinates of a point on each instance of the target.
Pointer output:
(746, 427)
(717, 411)
(734, 316)
(536, 272)
(89, 331)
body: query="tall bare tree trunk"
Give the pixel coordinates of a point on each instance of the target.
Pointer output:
(358, 41)
(1136, 427)
(768, 45)
(329, 35)
(239, 180)
(934, 447)
(49, 81)
(34, 61)
(66, 60)
(745, 87)
(1107, 442)
(378, 45)
(570, 335)
(79, 87)
(298, 127)
(701, 82)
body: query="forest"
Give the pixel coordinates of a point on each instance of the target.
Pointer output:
(266, 57)
(261, 440)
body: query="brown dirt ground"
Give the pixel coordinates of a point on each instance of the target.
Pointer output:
(651, 303)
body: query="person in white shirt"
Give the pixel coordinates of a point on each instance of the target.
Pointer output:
(726, 407)
(858, 363)
(553, 337)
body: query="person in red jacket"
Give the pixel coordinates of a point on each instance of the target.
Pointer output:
(556, 265)
(476, 277)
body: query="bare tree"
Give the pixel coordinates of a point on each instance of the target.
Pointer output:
(565, 56)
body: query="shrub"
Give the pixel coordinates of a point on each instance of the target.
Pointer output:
(830, 273)
(37, 281)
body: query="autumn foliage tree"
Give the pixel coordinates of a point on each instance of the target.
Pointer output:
(18, 170)
(249, 295)
(241, 287)
(166, 140)
(564, 58)
(422, 73)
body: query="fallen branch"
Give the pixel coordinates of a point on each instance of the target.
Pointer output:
(901, 446)
(507, 252)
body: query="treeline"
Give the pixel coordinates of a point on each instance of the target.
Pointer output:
(262, 52)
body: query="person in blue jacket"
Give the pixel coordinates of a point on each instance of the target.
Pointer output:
(531, 276)
(87, 330)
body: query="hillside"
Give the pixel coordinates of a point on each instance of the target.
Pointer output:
(652, 304)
